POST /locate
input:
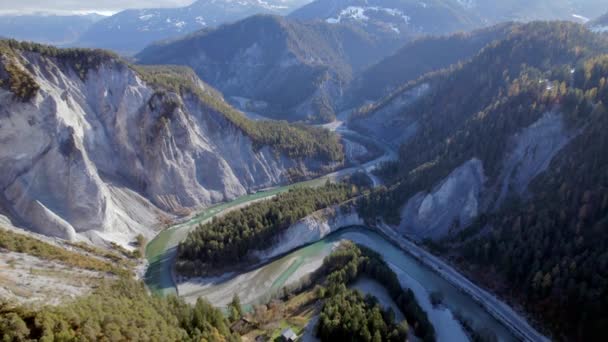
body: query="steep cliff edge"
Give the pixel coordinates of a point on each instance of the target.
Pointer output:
(95, 150)
(312, 228)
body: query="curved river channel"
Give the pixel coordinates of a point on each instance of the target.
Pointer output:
(260, 283)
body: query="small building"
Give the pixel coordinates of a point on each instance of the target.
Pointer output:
(288, 335)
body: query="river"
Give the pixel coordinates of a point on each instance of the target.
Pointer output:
(258, 285)
(161, 251)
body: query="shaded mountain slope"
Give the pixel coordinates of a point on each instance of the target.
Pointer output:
(287, 69)
(417, 58)
(131, 30)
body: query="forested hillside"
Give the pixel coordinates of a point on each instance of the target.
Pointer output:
(283, 68)
(113, 306)
(542, 240)
(487, 99)
(343, 306)
(230, 240)
(552, 250)
(416, 59)
(117, 311)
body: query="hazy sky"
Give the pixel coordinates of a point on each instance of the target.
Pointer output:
(82, 6)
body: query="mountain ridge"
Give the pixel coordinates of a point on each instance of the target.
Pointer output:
(287, 65)
(131, 30)
(492, 151)
(401, 17)
(48, 29)
(416, 59)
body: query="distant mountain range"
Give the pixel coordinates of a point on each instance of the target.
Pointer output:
(50, 29)
(299, 67)
(528, 10)
(441, 16)
(398, 17)
(131, 30)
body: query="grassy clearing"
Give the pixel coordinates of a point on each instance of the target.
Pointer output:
(294, 313)
(21, 243)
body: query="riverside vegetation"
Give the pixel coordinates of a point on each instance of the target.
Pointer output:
(346, 315)
(231, 238)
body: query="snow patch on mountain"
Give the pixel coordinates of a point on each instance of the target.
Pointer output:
(467, 3)
(599, 29)
(580, 17)
(362, 14)
(146, 17)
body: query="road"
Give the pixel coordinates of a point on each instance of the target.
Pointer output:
(501, 311)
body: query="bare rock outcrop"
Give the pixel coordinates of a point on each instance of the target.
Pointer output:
(102, 155)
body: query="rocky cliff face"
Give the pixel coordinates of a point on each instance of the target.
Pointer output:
(457, 200)
(385, 122)
(450, 205)
(313, 228)
(452, 202)
(103, 156)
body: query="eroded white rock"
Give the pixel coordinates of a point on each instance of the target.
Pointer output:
(107, 157)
